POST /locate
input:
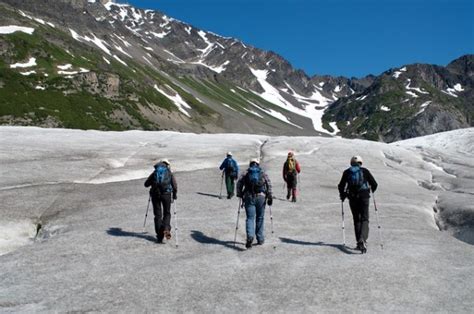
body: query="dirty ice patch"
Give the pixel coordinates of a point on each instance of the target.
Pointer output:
(29, 64)
(10, 29)
(176, 99)
(15, 234)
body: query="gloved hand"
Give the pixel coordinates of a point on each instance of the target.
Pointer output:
(269, 200)
(373, 189)
(175, 196)
(342, 196)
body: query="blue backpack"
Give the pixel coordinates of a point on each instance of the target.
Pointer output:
(356, 180)
(231, 168)
(163, 178)
(254, 181)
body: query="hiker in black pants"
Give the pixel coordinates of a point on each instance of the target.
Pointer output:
(354, 185)
(164, 190)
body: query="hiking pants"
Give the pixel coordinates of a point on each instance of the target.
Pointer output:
(229, 184)
(291, 181)
(162, 212)
(360, 214)
(255, 210)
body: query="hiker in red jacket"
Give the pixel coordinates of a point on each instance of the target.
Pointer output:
(291, 168)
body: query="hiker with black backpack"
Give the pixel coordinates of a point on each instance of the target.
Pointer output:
(354, 185)
(291, 169)
(230, 169)
(163, 192)
(255, 190)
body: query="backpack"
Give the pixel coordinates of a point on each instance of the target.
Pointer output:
(254, 181)
(163, 178)
(291, 165)
(356, 182)
(231, 168)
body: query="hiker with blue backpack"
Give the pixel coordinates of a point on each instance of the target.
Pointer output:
(355, 184)
(230, 169)
(255, 190)
(163, 192)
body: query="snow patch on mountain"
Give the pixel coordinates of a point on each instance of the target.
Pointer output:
(120, 60)
(416, 89)
(31, 63)
(176, 99)
(95, 40)
(28, 73)
(276, 114)
(10, 29)
(310, 111)
(397, 74)
(423, 107)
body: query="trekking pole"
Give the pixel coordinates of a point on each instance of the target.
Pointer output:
(271, 224)
(237, 224)
(299, 186)
(222, 183)
(343, 229)
(176, 223)
(378, 224)
(146, 214)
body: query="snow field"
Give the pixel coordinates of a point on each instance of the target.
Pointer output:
(94, 243)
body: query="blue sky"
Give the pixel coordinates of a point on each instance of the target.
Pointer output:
(337, 37)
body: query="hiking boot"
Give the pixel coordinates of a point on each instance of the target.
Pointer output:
(248, 244)
(260, 242)
(288, 195)
(159, 239)
(167, 234)
(362, 247)
(293, 199)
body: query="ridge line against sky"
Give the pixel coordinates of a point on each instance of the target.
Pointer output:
(351, 38)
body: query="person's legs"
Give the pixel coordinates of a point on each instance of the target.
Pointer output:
(157, 211)
(355, 209)
(250, 211)
(364, 219)
(166, 204)
(260, 214)
(229, 184)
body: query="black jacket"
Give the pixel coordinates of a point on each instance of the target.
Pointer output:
(151, 181)
(362, 193)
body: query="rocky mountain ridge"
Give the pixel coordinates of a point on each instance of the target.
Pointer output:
(140, 69)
